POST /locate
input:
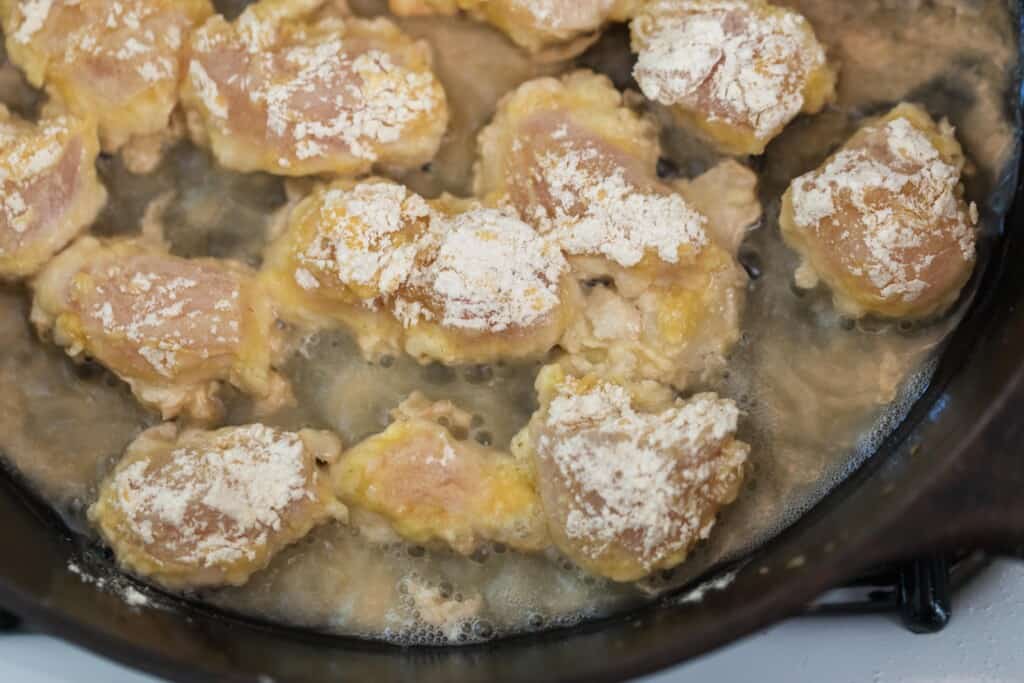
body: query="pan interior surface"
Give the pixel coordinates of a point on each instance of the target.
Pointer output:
(812, 416)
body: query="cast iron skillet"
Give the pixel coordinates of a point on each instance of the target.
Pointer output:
(952, 474)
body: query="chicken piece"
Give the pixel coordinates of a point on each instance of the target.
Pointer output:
(665, 291)
(343, 253)
(49, 187)
(443, 280)
(292, 87)
(883, 221)
(489, 287)
(200, 508)
(556, 28)
(733, 71)
(432, 486)
(630, 477)
(173, 328)
(118, 61)
(726, 194)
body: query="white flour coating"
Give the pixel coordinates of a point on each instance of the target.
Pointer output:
(207, 89)
(901, 197)
(719, 583)
(447, 456)
(306, 279)
(116, 584)
(131, 36)
(389, 100)
(26, 154)
(256, 34)
(596, 212)
(411, 312)
(633, 475)
(481, 270)
(134, 597)
(317, 96)
(162, 360)
(491, 272)
(217, 500)
(34, 14)
(86, 576)
(578, 15)
(358, 241)
(726, 61)
(165, 309)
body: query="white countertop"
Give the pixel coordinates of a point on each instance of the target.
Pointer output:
(984, 643)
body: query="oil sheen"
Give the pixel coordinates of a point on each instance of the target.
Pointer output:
(819, 393)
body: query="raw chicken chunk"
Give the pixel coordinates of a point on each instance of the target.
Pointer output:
(433, 487)
(197, 509)
(630, 477)
(119, 62)
(444, 280)
(883, 221)
(173, 328)
(295, 87)
(664, 290)
(554, 28)
(733, 71)
(49, 187)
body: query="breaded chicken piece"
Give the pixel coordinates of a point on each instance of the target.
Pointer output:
(50, 192)
(733, 71)
(197, 509)
(117, 61)
(556, 28)
(664, 289)
(883, 221)
(432, 487)
(630, 477)
(343, 253)
(443, 280)
(173, 328)
(488, 288)
(295, 88)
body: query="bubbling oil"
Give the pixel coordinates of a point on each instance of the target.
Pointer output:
(819, 393)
